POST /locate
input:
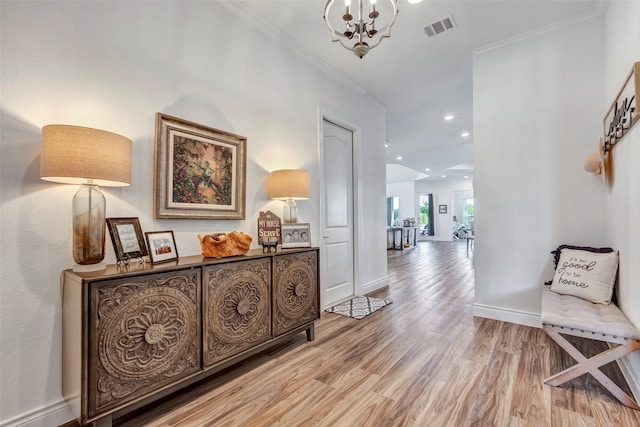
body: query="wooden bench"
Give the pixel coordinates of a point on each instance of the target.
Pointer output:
(569, 315)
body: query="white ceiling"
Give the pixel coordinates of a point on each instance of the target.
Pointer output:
(418, 79)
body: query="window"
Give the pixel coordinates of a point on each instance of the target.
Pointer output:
(468, 213)
(425, 218)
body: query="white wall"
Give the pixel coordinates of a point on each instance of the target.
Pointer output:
(113, 65)
(406, 193)
(538, 110)
(621, 49)
(537, 114)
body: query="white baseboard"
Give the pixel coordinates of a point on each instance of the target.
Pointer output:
(506, 315)
(631, 373)
(367, 288)
(54, 414)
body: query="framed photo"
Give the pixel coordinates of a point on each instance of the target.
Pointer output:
(127, 238)
(162, 246)
(442, 209)
(199, 171)
(296, 235)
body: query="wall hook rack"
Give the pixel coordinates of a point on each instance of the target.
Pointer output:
(623, 113)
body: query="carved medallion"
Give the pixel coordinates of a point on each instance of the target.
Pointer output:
(237, 308)
(147, 335)
(295, 290)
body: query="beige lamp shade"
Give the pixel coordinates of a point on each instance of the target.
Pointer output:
(289, 184)
(75, 155)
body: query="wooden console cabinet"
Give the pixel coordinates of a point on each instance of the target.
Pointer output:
(132, 335)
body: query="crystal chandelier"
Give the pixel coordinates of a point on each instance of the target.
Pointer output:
(361, 26)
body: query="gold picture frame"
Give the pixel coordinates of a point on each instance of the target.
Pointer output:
(199, 171)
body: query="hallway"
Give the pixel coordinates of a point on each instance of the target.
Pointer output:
(422, 361)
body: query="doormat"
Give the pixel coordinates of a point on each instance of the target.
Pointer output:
(359, 307)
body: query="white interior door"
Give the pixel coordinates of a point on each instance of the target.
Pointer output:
(337, 279)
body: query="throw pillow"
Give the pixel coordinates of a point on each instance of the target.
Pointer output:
(587, 275)
(557, 252)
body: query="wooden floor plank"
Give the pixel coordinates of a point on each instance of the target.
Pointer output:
(422, 361)
(494, 396)
(531, 397)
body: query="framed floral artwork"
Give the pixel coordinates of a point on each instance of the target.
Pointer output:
(199, 171)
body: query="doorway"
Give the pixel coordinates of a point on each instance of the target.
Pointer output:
(426, 222)
(463, 214)
(337, 212)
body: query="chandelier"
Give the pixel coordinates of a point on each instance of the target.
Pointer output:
(361, 25)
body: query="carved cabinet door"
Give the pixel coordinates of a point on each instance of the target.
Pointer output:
(295, 290)
(236, 312)
(144, 335)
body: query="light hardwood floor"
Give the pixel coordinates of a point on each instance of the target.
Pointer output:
(422, 361)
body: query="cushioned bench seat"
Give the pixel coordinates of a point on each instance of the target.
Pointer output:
(598, 319)
(569, 315)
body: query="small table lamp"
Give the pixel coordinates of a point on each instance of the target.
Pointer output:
(89, 157)
(289, 185)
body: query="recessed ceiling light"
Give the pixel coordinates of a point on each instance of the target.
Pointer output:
(464, 134)
(444, 176)
(399, 158)
(386, 145)
(448, 117)
(466, 177)
(427, 169)
(414, 1)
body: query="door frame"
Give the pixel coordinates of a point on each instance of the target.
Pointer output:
(325, 113)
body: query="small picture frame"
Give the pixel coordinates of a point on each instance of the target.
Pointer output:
(127, 238)
(162, 246)
(442, 209)
(296, 235)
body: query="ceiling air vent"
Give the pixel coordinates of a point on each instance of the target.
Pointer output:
(440, 26)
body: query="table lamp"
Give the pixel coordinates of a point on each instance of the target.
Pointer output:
(289, 185)
(89, 157)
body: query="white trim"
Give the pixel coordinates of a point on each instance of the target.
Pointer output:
(630, 375)
(367, 288)
(506, 315)
(54, 414)
(257, 21)
(326, 113)
(598, 12)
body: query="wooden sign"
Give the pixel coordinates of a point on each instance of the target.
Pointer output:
(269, 230)
(623, 114)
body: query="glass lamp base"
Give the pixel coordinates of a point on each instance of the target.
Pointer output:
(290, 212)
(88, 225)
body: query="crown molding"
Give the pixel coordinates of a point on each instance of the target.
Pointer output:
(598, 12)
(251, 17)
